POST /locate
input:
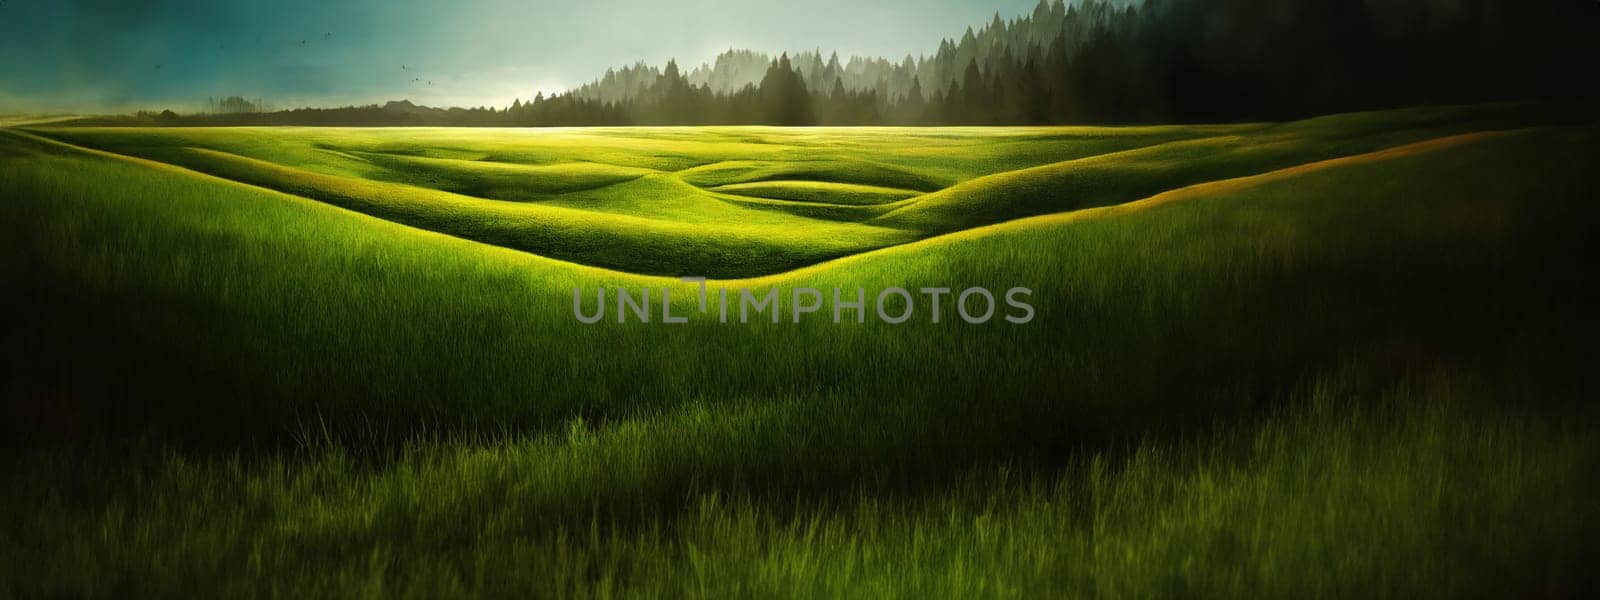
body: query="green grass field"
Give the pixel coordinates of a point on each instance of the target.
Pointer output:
(1347, 356)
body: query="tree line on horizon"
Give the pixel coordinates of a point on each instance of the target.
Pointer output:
(1092, 61)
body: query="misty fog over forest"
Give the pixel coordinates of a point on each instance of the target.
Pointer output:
(1084, 61)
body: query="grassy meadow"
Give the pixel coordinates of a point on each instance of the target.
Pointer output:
(1346, 356)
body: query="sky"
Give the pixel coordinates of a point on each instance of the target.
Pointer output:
(121, 55)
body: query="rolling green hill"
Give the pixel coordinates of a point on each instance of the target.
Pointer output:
(757, 200)
(1319, 358)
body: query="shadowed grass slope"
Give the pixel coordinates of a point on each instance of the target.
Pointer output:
(500, 181)
(818, 191)
(851, 172)
(1129, 175)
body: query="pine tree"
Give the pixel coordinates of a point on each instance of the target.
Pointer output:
(784, 98)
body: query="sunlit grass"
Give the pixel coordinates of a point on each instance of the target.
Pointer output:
(761, 200)
(1368, 377)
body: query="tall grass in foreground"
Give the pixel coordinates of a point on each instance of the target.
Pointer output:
(1429, 490)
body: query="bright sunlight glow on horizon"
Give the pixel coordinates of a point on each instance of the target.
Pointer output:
(110, 55)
